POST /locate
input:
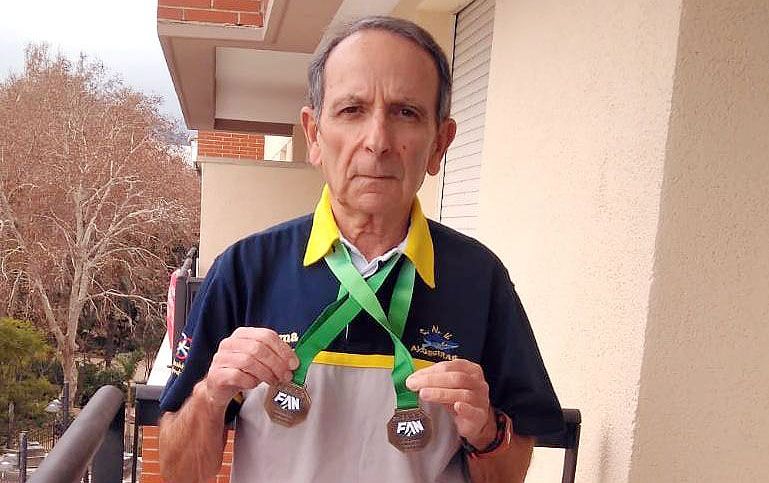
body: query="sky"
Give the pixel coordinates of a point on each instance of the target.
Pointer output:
(121, 33)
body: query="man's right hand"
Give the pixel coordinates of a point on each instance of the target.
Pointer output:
(193, 437)
(244, 360)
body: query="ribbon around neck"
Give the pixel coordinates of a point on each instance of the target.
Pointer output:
(355, 295)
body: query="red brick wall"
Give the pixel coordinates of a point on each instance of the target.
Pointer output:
(150, 463)
(227, 12)
(221, 144)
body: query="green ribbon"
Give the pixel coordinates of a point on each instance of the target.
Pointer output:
(355, 295)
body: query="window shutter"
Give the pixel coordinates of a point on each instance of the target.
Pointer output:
(462, 169)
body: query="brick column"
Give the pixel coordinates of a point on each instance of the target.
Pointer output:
(150, 462)
(221, 144)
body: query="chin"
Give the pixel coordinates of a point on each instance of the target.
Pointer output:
(375, 203)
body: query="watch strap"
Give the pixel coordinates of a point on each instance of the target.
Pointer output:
(501, 441)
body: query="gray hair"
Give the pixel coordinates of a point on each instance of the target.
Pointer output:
(316, 73)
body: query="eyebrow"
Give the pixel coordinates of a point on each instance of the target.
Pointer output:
(348, 99)
(355, 99)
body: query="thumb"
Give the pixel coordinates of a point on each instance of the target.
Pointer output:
(470, 412)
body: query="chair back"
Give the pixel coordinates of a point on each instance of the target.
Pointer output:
(568, 439)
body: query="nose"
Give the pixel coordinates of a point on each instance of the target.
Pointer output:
(377, 140)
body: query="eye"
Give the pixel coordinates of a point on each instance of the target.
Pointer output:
(350, 110)
(407, 112)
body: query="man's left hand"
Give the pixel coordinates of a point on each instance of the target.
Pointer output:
(462, 388)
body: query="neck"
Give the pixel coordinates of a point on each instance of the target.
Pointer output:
(372, 234)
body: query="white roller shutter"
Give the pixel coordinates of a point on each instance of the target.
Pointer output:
(462, 170)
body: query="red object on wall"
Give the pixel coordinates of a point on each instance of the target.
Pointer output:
(170, 308)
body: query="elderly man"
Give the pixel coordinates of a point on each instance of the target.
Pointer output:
(362, 343)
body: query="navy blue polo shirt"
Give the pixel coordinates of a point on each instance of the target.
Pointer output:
(463, 306)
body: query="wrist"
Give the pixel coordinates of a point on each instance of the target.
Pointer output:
(203, 396)
(501, 440)
(487, 433)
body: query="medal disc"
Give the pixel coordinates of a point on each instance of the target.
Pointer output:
(409, 429)
(287, 403)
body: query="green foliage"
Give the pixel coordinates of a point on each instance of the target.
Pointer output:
(94, 375)
(129, 362)
(24, 358)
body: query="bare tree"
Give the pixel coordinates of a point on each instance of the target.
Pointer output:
(89, 179)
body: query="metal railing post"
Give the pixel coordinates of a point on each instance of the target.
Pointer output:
(68, 460)
(192, 257)
(180, 307)
(11, 411)
(65, 405)
(107, 464)
(23, 457)
(135, 450)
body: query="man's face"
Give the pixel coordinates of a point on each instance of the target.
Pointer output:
(378, 134)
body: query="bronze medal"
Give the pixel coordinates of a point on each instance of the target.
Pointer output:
(287, 403)
(409, 429)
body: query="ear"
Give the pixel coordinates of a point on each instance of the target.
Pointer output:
(446, 132)
(310, 127)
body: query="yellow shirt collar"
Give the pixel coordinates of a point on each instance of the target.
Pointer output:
(419, 243)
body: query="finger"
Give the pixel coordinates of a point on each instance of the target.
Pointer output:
(286, 353)
(271, 339)
(455, 365)
(223, 383)
(470, 412)
(450, 396)
(262, 349)
(262, 370)
(258, 360)
(245, 332)
(234, 378)
(470, 420)
(448, 380)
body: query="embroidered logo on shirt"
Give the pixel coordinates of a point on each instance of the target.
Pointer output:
(436, 343)
(182, 352)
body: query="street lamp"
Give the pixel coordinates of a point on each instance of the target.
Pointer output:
(60, 407)
(54, 407)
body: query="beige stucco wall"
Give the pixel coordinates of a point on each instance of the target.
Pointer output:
(242, 197)
(439, 21)
(625, 179)
(703, 414)
(579, 102)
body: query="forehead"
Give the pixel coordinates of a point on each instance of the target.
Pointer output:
(376, 59)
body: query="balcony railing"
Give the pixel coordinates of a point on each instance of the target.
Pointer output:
(95, 439)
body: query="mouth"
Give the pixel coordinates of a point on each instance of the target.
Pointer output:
(375, 176)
